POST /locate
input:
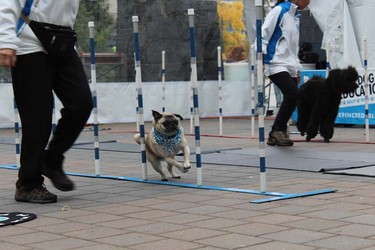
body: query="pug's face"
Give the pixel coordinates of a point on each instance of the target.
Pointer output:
(166, 123)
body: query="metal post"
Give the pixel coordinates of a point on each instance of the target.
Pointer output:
(260, 78)
(365, 80)
(219, 76)
(136, 99)
(94, 97)
(138, 79)
(194, 87)
(163, 77)
(17, 134)
(252, 88)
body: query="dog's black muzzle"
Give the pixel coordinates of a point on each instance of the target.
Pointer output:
(170, 126)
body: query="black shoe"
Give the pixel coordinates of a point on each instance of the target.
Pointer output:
(271, 141)
(280, 138)
(37, 195)
(53, 169)
(58, 178)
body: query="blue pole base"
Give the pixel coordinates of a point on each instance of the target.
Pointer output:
(292, 196)
(176, 184)
(10, 166)
(277, 196)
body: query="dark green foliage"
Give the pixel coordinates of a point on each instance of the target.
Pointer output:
(97, 11)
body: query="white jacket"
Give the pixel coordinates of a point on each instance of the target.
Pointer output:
(21, 38)
(280, 37)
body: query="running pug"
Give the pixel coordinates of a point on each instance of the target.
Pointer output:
(164, 141)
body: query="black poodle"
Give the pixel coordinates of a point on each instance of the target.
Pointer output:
(319, 101)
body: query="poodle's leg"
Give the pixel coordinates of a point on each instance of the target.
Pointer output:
(304, 111)
(312, 127)
(327, 124)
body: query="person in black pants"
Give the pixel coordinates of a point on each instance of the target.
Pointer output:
(280, 40)
(36, 75)
(289, 87)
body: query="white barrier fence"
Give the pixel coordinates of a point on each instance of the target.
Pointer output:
(116, 100)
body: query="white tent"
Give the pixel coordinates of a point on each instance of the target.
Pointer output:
(345, 25)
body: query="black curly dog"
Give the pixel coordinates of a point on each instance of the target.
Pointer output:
(319, 101)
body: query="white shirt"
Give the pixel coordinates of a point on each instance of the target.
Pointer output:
(280, 40)
(21, 38)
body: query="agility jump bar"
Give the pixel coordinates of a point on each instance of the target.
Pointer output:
(277, 196)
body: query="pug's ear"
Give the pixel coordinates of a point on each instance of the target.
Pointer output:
(179, 116)
(157, 116)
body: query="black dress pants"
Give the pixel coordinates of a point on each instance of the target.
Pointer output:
(35, 77)
(289, 88)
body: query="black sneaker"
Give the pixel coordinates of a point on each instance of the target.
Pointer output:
(37, 195)
(58, 178)
(271, 141)
(53, 169)
(280, 138)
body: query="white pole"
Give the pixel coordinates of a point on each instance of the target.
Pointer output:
(365, 79)
(163, 77)
(262, 150)
(94, 97)
(191, 110)
(219, 75)
(252, 88)
(17, 134)
(138, 79)
(136, 98)
(194, 87)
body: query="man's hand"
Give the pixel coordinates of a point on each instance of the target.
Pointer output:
(8, 58)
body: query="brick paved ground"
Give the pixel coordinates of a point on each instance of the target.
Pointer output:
(114, 214)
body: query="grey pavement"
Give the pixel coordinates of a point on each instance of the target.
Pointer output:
(116, 214)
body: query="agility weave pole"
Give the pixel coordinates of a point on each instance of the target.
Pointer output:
(17, 134)
(219, 76)
(252, 89)
(138, 79)
(194, 87)
(91, 26)
(367, 124)
(260, 80)
(136, 99)
(163, 78)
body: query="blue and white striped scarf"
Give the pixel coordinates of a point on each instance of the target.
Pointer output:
(169, 143)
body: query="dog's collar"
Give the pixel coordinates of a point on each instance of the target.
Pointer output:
(169, 143)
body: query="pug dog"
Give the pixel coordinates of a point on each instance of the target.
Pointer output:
(164, 141)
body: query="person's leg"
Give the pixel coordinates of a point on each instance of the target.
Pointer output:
(289, 87)
(278, 95)
(71, 87)
(33, 94)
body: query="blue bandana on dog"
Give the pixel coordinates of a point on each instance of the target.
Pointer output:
(169, 143)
